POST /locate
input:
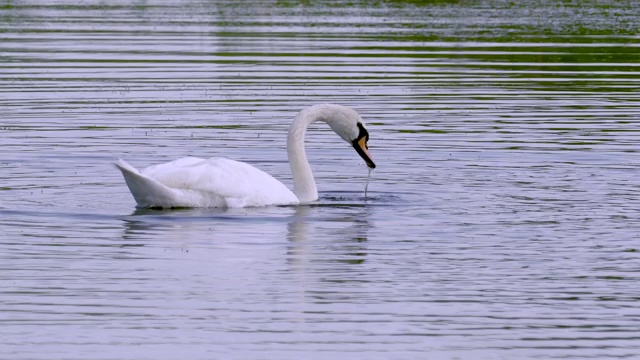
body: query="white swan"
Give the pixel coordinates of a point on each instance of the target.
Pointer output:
(220, 182)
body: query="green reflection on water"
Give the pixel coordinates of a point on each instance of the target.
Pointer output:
(581, 46)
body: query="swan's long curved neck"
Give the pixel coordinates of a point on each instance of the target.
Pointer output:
(339, 118)
(304, 185)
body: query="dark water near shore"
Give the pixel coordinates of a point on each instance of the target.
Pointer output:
(502, 221)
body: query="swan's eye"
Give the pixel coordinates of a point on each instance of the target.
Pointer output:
(362, 132)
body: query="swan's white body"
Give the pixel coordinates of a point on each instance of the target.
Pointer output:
(195, 182)
(220, 182)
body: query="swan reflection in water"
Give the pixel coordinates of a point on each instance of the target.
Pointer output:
(341, 229)
(313, 254)
(344, 232)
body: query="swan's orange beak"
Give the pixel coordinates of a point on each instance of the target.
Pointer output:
(363, 150)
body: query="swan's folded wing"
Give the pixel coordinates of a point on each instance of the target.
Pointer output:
(240, 183)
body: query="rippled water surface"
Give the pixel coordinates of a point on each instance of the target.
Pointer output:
(502, 220)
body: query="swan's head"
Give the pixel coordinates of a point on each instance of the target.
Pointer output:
(360, 144)
(349, 125)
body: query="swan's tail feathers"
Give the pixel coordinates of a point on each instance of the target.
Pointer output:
(146, 191)
(124, 166)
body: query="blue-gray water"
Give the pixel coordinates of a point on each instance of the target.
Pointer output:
(502, 220)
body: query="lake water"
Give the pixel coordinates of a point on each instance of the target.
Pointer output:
(502, 222)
